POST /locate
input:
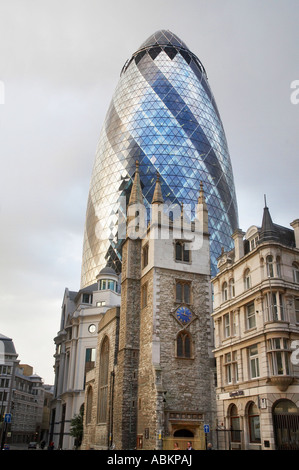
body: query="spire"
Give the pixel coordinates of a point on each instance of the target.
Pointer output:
(157, 197)
(201, 197)
(268, 231)
(202, 210)
(136, 196)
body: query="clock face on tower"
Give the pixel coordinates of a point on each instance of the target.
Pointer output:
(183, 314)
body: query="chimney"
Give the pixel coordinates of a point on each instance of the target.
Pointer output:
(239, 244)
(295, 225)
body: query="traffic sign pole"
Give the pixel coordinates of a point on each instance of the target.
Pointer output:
(206, 428)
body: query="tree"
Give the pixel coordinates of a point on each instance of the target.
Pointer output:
(76, 427)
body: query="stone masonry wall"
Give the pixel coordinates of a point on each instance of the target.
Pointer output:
(125, 409)
(186, 381)
(167, 382)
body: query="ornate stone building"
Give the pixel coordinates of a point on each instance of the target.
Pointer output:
(256, 316)
(76, 343)
(153, 379)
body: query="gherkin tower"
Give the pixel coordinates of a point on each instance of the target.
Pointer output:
(163, 115)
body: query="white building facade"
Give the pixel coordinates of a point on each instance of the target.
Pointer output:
(75, 351)
(256, 318)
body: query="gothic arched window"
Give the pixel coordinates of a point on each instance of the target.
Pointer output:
(103, 380)
(182, 252)
(89, 405)
(183, 344)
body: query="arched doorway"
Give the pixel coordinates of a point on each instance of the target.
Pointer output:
(183, 433)
(286, 425)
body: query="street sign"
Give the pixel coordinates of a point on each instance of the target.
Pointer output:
(7, 417)
(206, 428)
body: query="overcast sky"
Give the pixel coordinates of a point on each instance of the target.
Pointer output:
(59, 65)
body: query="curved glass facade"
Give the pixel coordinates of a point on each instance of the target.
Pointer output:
(164, 115)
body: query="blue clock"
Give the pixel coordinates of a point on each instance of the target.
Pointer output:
(183, 314)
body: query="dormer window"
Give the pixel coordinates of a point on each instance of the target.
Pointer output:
(87, 298)
(253, 243)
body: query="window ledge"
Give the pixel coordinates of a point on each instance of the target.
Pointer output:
(250, 330)
(185, 358)
(182, 262)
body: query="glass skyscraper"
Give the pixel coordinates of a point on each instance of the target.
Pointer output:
(164, 115)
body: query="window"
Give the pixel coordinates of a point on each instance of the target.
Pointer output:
(231, 288)
(250, 316)
(229, 325)
(254, 362)
(254, 423)
(224, 292)
(182, 290)
(235, 424)
(182, 253)
(90, 355)
(253, 243)
(183, 345)
(295, 272)
(247, 279)
(278, 270)
(297, 310)
(270, 268)
(144, 295)
(231, 367)
(87, 298)
(274, 306)
(103, 381)
(145, 256)
(279, 353)
(228, 368)
(105, 284)
(235, 366)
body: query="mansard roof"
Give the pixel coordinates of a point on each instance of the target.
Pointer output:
(270, 232)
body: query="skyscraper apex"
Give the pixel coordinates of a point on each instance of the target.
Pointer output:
(164, 115)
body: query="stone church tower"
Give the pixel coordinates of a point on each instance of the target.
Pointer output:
(163, 365)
